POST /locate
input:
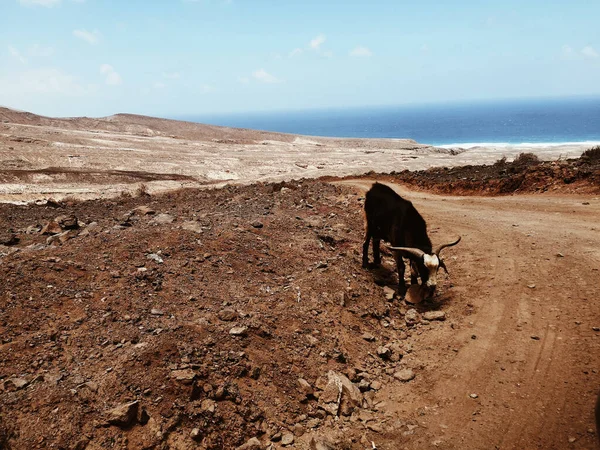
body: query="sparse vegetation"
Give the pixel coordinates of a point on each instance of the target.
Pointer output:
(500, 162)
(592, 153)
(142, 190)
(526, 159)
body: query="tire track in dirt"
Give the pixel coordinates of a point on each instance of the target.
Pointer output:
(533, 368)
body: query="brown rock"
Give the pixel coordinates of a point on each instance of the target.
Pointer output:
(434, 315)
(404, 375)
(340, 396)
(185, 376)
(67, 222)
(305, 387)
(252, 444)
(123, 415)
(228, 315)
(51, 228)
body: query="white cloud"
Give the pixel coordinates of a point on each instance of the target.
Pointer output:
(159, 85)
(112, 77)
(589, 52)
(17, 54)
(91, 37)
(42, 81)
(46, 3)
(316, 43)
(361, 51)
(243, 80)
(265, 77)
(207, 89)
(328, 54)
(296, 51)
(567, 50)
(425, 48)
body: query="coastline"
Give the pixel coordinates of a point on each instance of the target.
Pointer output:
(43, 158)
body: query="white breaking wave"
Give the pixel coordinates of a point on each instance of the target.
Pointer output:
(469, 145)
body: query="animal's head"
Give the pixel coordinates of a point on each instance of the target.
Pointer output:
(428, 264)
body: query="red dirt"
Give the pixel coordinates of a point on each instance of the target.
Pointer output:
(77, 325)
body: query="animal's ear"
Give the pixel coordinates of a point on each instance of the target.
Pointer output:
(443, 266)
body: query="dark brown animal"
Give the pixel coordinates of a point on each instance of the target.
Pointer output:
(394, 219)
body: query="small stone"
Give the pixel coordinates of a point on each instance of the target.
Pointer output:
(560, 255)
(193, 225)
(156, 312)
(163, 219)
(67, 222)
(572, 439)
(91, 386)
(51, 228)
(196, 435)
(15, 384)
(144, 210)
(238, 331)
(252, 444)
(155, 257)
(535, 337)
(257, 224)
(531, 286)
(287, 439)
(227, 315)
(434, 315)
(375, 427)
(208, 405)
(185, 376)
(305, 387)
(415, 294)
(473, 395)
(123, 415)
(412, 317)
(389, 293)
(384, 352)
(596, 328)
(375, 385)
(404, 375)
(368, 337)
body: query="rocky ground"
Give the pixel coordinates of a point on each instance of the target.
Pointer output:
(240, 317)
(217, 316)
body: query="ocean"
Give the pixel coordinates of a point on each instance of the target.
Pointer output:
(540, 122)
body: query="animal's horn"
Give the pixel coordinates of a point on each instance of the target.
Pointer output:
(417, 253)
(443, 246)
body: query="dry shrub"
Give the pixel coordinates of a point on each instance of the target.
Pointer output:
(142, 191)
(526, 159)
(592, 154)
(500, 162)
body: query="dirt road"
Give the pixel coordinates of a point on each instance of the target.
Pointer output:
(522, 370)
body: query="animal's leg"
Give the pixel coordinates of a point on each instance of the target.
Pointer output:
(400, 267)
(376, 254)
(414, 273)
(365, 256)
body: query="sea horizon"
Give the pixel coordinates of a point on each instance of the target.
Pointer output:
(509, 122)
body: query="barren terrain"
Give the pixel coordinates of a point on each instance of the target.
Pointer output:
(241, 316)
(43, 157)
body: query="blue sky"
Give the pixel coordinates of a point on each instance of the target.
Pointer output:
(183, 57)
